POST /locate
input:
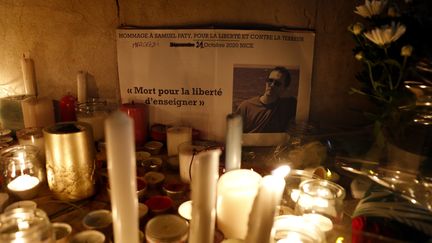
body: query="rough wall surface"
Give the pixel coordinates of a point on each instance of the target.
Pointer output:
(64, 37)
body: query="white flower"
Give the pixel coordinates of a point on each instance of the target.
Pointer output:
(370, 9)
(386, 34)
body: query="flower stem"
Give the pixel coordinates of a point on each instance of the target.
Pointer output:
(401, 71)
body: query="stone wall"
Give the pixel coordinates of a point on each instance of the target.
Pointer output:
(64, 37)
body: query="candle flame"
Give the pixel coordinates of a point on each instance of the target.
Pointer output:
(281, 171)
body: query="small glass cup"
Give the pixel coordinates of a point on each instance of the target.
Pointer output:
(26, 225)
(292, 192)
(22, 171)
(291, 228)
(321, 197)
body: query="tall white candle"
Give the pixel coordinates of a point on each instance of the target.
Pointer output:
(263, 210)
(187, 152)
(177, 136)
(82, 86)
(37, 112)
(120, 146)
(233, 142)
(29, 76)
(236, 191)
(204, 183)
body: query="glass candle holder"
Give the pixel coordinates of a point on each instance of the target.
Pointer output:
(291, 228)
(94, 112)
(22, 171)
(292, 192)
(26, 225)
(321, 197)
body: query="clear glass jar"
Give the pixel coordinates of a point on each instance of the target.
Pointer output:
(321, 197)
(26, 225)
(94, 112)
(290, 228)
(23, 172)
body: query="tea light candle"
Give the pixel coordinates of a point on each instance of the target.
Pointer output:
(29, 76)
(233, 142)
(37, 112)
(264, 207)
(203, 188)
(82, 86)
(122, 176)
(236, 191)
(24, 186)
(138, 112)
(177, 136)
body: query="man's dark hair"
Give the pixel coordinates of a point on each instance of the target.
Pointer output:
(285, 72)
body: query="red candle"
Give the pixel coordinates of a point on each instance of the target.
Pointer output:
(138, 112)
(67, 108)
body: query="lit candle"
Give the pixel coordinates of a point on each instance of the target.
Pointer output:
(264, 207)
(291, 228)
(122, 176)
(82, 86)
(204, 196)
(177, 136)
(233, 142)
(24, 186)
(29, 76)
(138, 112)
(37, 112)
(236, 191)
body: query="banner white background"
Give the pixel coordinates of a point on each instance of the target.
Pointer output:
(186, 76)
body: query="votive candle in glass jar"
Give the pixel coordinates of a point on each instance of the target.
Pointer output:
(22, 170)
(321, 197)
(26, 225)
(291, 228)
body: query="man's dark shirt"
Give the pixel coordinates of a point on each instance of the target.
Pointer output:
(270, 118)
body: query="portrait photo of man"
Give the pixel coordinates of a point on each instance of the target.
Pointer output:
(272, 102)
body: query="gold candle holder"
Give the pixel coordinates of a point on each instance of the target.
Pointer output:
(70, 160)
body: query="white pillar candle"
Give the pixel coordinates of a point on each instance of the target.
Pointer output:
(187, 152)
(32, 136)
(29, 76)
(233, 142)
(204, 183)
(120, 147)
(37, 112)
(82, 86)
(96, 120)
(264, 207)
(236, 191)
(177, 136)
